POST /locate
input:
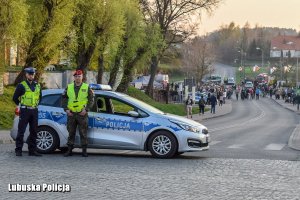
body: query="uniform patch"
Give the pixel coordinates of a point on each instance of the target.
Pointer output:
(83, 90)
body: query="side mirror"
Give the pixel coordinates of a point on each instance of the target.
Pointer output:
(133, 114)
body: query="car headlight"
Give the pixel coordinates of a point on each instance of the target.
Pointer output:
(186, 127)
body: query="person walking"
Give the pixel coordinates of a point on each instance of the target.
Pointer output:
(224, 96)
(213, 102)
(28, 94)
(189, 106)
(201, 105)
(237, 92)
(78, 98)
(257, 92)
(220, 98)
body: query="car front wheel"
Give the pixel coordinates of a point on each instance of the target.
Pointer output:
(162, 144)
(47, 140)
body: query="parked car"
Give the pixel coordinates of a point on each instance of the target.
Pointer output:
(117, 121)
(230, 81)
(248, 84)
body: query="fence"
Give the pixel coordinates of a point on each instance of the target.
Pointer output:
(53, 80)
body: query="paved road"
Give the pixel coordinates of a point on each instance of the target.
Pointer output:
(254, 130)
(224, 70)
(134, 176)
(248, 159)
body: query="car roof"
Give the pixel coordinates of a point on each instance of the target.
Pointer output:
(102, 92)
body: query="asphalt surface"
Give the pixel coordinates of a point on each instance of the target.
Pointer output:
(249, 158)
(255, 129)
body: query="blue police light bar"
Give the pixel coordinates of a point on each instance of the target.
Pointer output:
(94, 86)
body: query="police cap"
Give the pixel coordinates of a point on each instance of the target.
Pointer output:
(30, 70)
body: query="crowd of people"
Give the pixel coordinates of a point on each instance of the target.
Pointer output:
(215, 94)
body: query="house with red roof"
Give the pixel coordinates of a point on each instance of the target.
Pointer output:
(284, 45)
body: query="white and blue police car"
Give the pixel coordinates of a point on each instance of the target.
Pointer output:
(118, 121)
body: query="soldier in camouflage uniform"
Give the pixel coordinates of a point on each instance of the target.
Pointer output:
(78, 98)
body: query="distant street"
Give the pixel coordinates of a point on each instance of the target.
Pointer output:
(224, 70)
(255, 129)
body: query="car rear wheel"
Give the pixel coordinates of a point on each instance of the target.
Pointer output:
(47, 140)
(162, 144)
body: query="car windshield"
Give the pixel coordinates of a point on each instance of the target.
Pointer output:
(143, 105)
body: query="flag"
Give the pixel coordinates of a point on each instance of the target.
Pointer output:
(256, 68)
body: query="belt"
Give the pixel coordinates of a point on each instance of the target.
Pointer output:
(28, 107)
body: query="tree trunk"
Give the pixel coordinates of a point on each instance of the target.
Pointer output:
(37, 53)
(2, 64)
(154, 66)
(100, 68)
(84, 54)
(114, 71)
(128, 70)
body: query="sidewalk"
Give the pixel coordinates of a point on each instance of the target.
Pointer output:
(5, 137)
(220, 111)
(294, 141)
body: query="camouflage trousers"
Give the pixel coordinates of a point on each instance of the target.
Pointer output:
(82, 123)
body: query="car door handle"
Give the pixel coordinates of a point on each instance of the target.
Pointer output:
(100, 119)
(57, 113)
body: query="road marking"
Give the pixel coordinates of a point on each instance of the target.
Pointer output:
(236, 146)
(274, 147)
(262, 114)
(214, 142)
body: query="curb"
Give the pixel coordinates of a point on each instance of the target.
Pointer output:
(217, 115)
(294, 141)
(297, 112)
(7, 141)
(5, 137)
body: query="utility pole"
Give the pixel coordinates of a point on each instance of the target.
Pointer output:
(297, 72)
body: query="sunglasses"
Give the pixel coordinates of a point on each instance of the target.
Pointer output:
(76, 76)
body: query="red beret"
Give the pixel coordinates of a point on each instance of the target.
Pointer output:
(78, 72)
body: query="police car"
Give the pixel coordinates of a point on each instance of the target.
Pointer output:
(117, 121)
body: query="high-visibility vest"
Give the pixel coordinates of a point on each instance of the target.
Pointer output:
(77, 104)
(30, 98)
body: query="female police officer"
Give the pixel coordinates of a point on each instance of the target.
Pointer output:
(28, 94)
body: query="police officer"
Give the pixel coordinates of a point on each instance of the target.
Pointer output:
(27, 94)
(78, 98)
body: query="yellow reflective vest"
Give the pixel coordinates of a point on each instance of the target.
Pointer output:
(79, 103)
(30, 98)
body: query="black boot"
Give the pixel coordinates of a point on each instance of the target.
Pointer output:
(69, 152)
(84, 153)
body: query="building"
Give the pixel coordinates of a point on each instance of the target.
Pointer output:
(283, 46)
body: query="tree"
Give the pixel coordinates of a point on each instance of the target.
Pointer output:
(13, 16)
(132, 40)
(146, 49)
(197, 57)
(175, 21)
(48, 25)
(111, 37)
(94, 23)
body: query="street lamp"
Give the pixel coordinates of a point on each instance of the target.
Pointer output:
(262, 56)
(242, 52)
(297, 70)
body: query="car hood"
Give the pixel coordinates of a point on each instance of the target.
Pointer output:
(181, 119)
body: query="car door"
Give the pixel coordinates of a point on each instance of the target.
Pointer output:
(50, 108)
(114, 127)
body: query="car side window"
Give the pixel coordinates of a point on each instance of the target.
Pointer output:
(100, 105)
(121, 108)
(53, 100)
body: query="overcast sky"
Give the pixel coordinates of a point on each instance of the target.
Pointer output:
(269, 13)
